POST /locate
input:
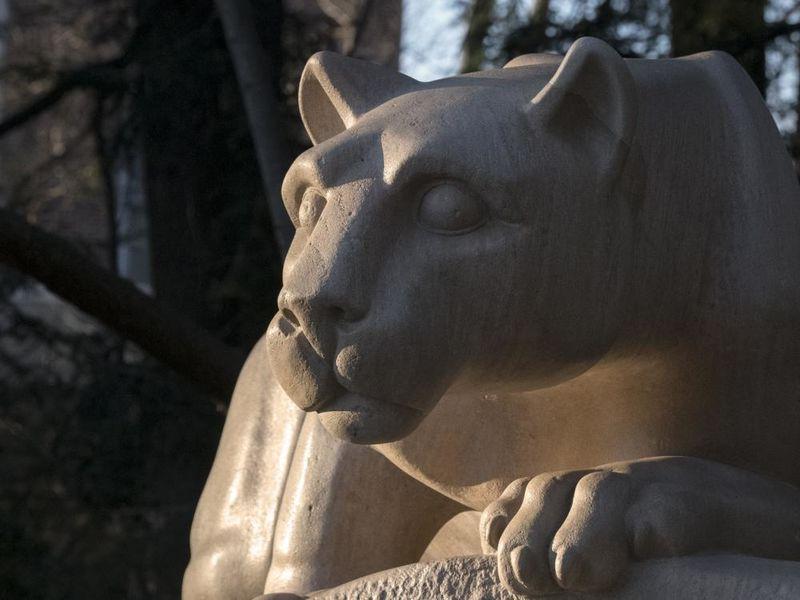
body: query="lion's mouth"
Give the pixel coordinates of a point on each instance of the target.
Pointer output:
(309, 380)
(313, 385)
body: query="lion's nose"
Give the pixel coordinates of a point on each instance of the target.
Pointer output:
(309, 311)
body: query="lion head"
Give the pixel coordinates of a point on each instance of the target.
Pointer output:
(463, 233)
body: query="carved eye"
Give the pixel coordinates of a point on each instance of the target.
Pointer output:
(311, 207)
(447, 209)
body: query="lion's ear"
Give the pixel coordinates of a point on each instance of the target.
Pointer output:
(592, 80)
(335, 90)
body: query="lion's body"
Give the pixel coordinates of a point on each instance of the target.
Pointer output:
(704, 362)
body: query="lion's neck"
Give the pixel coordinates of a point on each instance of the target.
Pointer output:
(664, 402)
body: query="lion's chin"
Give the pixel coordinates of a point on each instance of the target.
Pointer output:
(360, 420)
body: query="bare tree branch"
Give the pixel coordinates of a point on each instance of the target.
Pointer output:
(779, 29)
(166, 335)
(105, 76)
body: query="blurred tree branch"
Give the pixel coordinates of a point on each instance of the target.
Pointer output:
(105, 77)
(165, 334)
(779, 29)
(108, 77)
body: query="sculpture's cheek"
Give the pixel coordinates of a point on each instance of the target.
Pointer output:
(398, 365)
(347, 363)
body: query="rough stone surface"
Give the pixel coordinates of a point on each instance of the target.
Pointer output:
(475, 578)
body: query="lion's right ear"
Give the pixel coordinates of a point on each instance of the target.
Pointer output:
(336, 90)
(592, 81)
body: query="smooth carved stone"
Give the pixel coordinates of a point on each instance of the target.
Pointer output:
(475, 578)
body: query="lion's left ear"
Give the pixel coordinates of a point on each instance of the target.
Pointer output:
(335, 90)
(591, 80)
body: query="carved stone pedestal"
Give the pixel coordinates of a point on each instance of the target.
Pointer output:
(475, 578)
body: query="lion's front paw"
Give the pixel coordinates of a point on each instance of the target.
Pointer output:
(560, 531)
(579, 530)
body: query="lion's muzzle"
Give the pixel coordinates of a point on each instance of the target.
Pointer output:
(305, 377)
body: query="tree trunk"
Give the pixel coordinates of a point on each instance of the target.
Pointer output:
(376, 35)
(213, 258)
(254, 70)
(480, 19)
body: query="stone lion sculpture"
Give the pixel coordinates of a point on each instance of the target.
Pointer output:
(500, 281)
